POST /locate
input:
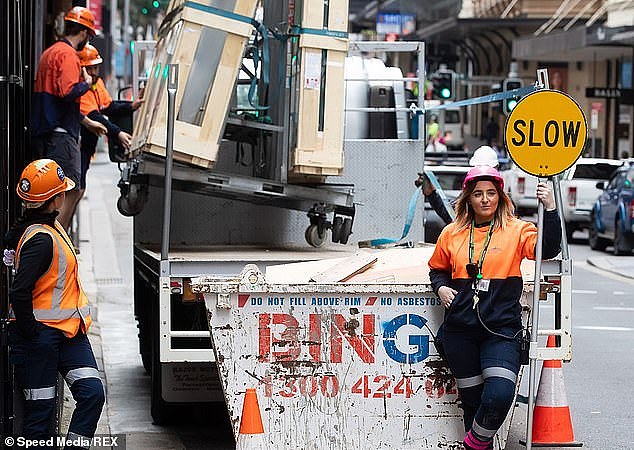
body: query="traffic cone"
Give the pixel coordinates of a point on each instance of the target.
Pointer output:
(251, 434)
(552, 426)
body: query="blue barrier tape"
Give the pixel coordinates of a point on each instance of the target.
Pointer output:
(320, 32)
(408, 222)
(221, 12)
(520, 92)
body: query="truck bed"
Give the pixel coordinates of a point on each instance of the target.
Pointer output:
(225, 260)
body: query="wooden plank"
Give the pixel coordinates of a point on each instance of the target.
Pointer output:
(327, 42)
(345, 269)
(218, 22)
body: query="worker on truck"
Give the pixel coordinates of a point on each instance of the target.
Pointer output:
(97, 104)
(59, 83)
(475, 271)
(50, 314)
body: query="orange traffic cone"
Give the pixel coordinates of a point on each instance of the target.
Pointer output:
(552, 426)
(251, 435)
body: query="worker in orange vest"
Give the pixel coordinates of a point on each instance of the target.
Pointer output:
(97, 104)
(50, 314)
(55, 116)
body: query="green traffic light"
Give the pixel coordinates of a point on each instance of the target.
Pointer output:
(445, 93)
(144, 11)
(156, 3)
(510, 104)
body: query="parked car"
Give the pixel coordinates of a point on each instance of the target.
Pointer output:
(450, 179)
(612, 217)
(522, 188)
(579, 190)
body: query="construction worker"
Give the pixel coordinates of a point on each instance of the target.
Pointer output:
(482, 156)
(475, 271)
(98, 105)
(49, 313)
(59, 83)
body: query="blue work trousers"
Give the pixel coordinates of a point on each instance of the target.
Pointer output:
(37, 362)
(485, 367)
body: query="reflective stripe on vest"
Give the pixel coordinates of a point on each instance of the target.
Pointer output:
(58, 298)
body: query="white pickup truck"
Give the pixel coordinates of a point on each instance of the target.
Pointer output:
(578, 188)
(521, 187)
(579, 191)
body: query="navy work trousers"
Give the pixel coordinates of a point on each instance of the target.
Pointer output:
(37, 362)
(485, 367)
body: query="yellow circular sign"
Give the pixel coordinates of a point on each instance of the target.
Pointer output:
(546, 133)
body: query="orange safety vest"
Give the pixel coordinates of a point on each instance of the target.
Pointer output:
(58, 298)
(96, 99)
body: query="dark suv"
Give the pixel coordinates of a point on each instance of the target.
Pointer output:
(612, 219)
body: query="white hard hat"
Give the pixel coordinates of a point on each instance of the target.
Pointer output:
(484, 156)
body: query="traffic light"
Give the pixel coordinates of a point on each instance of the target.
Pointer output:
(509, 103)
(443, 85)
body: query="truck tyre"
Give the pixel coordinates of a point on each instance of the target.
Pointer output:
(570, 230)
(145, 344)
(621, 246)
(337, 223)
(143, 295)
(596, 242)
(346, 231)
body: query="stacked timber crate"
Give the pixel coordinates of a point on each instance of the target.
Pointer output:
(208, 45)
(323, 45)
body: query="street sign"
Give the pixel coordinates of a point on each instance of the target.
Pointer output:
(625, 96)
(546, 133)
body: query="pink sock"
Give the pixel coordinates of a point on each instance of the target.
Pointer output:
(475, 443)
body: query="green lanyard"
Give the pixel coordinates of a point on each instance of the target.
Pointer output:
(484, 249)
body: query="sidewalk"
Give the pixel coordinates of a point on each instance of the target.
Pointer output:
(105, 264)
(87, 276)
(619, 265)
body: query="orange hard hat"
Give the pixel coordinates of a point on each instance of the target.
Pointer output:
(41, 180)
(89, 56)
(82, 16)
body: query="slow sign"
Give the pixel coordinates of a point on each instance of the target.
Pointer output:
(546, 133)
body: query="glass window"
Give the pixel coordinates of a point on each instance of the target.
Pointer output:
(202, 75)
(600, 171)
(452, 116)
(617, 181)
(450, 181)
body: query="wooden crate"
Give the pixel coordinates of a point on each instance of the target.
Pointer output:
(194, 143)
(319, 152)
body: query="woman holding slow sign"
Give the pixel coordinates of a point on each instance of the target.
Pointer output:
(475, 271)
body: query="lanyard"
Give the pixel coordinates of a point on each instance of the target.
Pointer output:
(484, 249)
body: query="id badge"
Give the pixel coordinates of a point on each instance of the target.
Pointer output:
(483, 285)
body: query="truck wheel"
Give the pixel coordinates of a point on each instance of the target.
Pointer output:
(621, 247)
(346, 231)
(145, 344)
(336, 229)
(596, 242)
(570, 230)
(313, 238)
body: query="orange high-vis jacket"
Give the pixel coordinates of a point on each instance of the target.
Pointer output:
(58, 298)
(96, 99)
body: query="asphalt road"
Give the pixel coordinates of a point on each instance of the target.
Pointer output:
(598, 380)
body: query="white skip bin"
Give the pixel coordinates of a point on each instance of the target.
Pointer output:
(336, 366)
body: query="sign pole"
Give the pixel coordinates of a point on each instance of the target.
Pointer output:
(544, 145)
(542, 78)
